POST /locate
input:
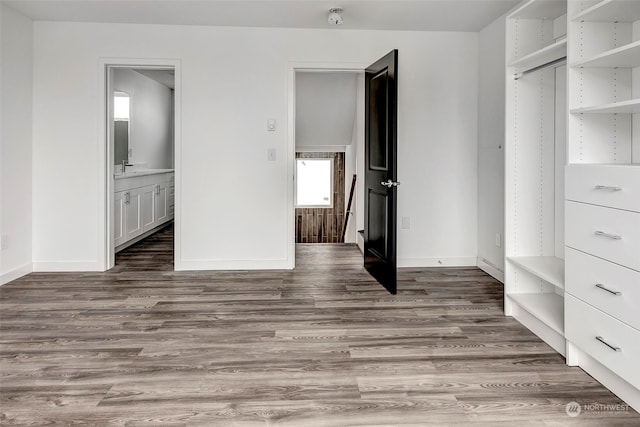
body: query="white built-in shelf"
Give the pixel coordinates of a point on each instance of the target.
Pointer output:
(624, 107)
(543, 56)
(541, 9)
(627, 56)
(611, 11)
(548, 268)
(546, 307)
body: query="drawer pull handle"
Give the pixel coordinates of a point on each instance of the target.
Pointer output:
(604, 288)
(612, 347)
(610, 236)
(608, 188)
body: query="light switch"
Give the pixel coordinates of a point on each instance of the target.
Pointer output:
(271, 154)
(271, 125)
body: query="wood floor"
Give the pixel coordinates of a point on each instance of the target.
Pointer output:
(322, 345)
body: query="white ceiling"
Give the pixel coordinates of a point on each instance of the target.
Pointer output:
(418, 15)
(325, 108)
(164, 77)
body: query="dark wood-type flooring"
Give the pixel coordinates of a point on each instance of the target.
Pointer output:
(322, 345)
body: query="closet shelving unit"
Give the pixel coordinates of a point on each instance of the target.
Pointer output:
(604, 75)
(603, 193)
(631, 106)
(605, 51)
(535, 154)
(542, 56)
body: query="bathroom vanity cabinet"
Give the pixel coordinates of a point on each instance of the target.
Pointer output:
(143, 201)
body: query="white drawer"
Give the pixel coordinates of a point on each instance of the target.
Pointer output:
(617, 186)
(620, 297)
(612, 234)
(583, 324)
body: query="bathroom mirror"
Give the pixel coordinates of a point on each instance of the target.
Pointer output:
(121, 115)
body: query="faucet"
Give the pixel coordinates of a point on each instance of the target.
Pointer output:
(124, 166)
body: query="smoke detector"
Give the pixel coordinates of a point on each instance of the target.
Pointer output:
(335, 16)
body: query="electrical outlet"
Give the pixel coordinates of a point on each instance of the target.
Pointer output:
(4, 243)
(498, 240)
(406, 222)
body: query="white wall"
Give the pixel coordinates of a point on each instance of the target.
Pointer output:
(16, 41)
(491, 110)
(354, 157)
(350, 162)
(359, 149)
(437, 153)
(233, 79)
(150, 124)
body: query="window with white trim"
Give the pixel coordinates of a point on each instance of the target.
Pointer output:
(314, 183)
(121, 106)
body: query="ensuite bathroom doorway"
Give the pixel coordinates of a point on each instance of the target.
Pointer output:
(141, 163)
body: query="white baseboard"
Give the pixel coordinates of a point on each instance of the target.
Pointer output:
(62, 266)
(437, 262)
(490, 269)
(16, 273)
(261, 264)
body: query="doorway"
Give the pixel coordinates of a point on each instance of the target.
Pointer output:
(378, 104)
(142, 195)
(328, 123)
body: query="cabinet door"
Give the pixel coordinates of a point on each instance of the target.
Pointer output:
(147, 207)
(133, 217)
(161, 203)
(119, 218)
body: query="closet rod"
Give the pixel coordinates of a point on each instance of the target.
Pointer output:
(556, 62)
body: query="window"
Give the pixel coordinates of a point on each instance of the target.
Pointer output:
(314, 183)
(121, 106)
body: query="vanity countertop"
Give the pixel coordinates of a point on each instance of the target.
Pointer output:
(141, 172)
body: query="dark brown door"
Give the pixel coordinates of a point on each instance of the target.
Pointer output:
(380, 170)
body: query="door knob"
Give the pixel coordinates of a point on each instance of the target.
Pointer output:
(388, 183)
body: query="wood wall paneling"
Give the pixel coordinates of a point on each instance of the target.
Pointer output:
(323, 225)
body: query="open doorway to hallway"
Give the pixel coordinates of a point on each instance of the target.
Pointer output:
(328, 152)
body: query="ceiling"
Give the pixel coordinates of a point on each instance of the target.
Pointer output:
(416, 15)
(325, 108)
(164, 77)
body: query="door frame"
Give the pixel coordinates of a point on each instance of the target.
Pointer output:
(105, 166)
(292, 69)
